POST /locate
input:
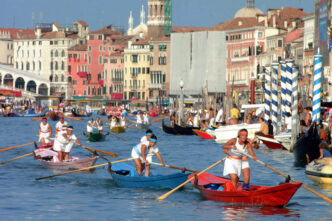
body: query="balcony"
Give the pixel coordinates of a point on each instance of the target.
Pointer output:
(117, 80)
(82, 73)
(240, 59)
(101, 82)
(133, 88)
(155, 86)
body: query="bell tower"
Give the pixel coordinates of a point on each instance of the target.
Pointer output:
(159, 17)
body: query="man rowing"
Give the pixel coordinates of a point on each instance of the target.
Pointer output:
(142, 154)
(236, 161)
(99, 125)
(60, 124)
(89, 126)
(64, 142)
(44, 132)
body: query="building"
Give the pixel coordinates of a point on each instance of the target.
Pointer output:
(137, 70)
(198, 58)
(45, 53)
(142, 29)
(7, 36)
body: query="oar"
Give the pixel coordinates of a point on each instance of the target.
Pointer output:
(121, 138)
(86, 168)
(101, 151)
(16, 158)
(13, 147)
(159, 119)
(131, 121)
(36, 118)
(174, 167)
(286, 176)
(74, 118)
(181, 185)
(95, 152)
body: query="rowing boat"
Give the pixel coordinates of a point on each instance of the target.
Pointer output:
(118, 129)
(217, 189)
(320, 170)
(142, 126)
(126, 176)
(95, 136)
(270, 142)
(178, 130)
(203, 134)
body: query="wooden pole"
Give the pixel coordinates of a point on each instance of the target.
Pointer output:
(207, 95)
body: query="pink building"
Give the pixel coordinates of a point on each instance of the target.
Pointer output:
(77, 70)
(114, 74)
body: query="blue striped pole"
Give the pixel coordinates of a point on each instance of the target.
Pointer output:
(289, 72)
(283, 88)
(318, 60)
(295, 88)
(275, 74)
(267, 91)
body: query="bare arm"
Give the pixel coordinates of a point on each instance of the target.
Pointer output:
(230, 144)
(144, 147)
(251, 151)
(160, 159)
(51, 131)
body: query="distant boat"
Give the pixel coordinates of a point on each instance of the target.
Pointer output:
(178, 130)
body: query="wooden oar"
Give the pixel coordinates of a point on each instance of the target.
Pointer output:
(86, 168)
(101, 151)
(131, 121)
(36, 118)
(13, 147)
(121, 138)
(74, 118)
(95, 153)
(16, 158)
(181, 185)
(286, 176)
(174, 167)
(159, 119)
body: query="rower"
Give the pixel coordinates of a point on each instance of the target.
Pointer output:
(72, 139)
(142, 154)
(123, 120)
(139, 118)
(64, 142)
(148, 134)
(235, 161)
(45, 132)
(89, 126)
(113, 121)
(59, 125)
(99, 125)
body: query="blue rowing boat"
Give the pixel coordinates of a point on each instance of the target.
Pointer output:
(126, 176)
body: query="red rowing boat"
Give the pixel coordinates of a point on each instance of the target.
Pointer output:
(270, 142)
(203, 134)
(255, 195)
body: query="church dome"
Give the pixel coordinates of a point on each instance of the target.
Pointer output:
(247, 13)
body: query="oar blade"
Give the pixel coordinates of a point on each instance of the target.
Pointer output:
(102, 151)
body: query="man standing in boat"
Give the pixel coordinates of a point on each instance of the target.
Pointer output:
(142, 154)
(60, 124)
(89, 126)
(64, 141)
(237, 162)
(45, 132)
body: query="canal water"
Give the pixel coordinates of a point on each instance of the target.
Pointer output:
(94, 196)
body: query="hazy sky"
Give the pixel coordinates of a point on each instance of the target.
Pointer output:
(201, 13)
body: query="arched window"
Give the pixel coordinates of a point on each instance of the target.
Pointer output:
(62, 65)
(56, 54)
(40, 65)
(56, 78)
(62, 53)
(56, 65)
(28, 66)
(51, 66)
(16, 65)
(51, 53)
(62, 78)
(22, 66)
(33, 66)
(155, 10)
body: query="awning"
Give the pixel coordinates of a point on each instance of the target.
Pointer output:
(5, 92)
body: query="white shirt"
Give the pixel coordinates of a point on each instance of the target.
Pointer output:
(288, 121)
(220, 114)
(139, 120)
(59, 125)
(146, 119)
(144, 139)
(150, 150)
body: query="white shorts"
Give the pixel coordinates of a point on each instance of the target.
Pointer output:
(135, 155)
(100, 128)
(45, 136)
(89, 129)
(57, 146)
(68, 147)
(233, 166)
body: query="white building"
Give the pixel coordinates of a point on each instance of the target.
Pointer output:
(45, 53)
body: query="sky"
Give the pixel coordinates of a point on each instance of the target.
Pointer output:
(98, 13)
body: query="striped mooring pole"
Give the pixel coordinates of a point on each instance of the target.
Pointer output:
(289, 72)
(318, 60)
(275, 67)
(295, 116)
(267, 92)
(283, 88)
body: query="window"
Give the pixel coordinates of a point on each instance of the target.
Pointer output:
(151, 60)
(55, 42)
(27, 66)
(74, 92)
(51, 42)
(134, 58)
(279, 43)
(84, 92)
(69, 68)
(51, 54)
(89, 59)
(90, 48)
(62, 65)
(260, 34)
(100, 37)
(56, 54)
(51, 65)
(100, 48)
(91, 37)
(100, 60)
(62, 53)
(40, 65)
(40, 43)
(56, 66)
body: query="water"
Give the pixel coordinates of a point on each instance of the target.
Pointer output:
(93, 196)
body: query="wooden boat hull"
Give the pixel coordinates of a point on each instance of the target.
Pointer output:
(255, 196)
(167, 129)
(53, 115)
(203, 134)
(132, 180)
(320, 172)
(270, 142)
(75, 114)
(95, 137)
(178, 130)
(74, 164)
(118, 129)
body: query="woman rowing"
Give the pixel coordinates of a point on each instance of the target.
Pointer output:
(142, 154)
(45, 132)
(236, 161)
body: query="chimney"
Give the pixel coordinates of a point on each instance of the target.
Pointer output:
(274, 21)
(285, 24)
(265, 22)
(38, 32)
(294, 24)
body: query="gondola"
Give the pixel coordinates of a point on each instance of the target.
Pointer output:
(76, 114)
(307, 146)
(178, 130)
(167, 129)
